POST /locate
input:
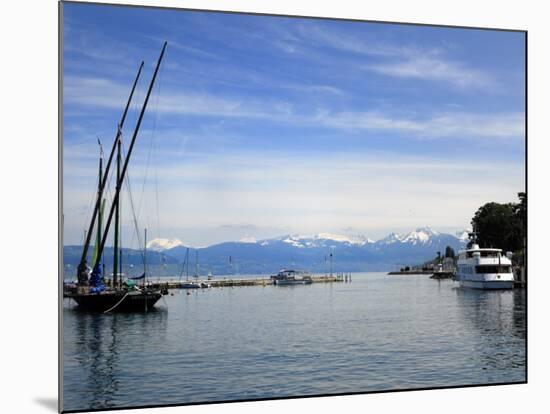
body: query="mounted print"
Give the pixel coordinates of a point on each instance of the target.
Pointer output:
(260, 207)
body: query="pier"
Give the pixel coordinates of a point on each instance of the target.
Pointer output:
(220, 282)
(411, 272)
(233, 282)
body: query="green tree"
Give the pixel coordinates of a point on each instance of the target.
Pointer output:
(499, 225)
(521, 214)
(449, 252)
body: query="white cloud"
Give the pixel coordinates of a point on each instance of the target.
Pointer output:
(405, 61)
(313, 194)
(449, 124)
(108, 94)
(314, 34)
(103, 93)
(435, 69)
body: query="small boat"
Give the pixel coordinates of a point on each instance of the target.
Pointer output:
(187, 284)
(441, 273)
(190, 285)
(484, 268)
(291, 277)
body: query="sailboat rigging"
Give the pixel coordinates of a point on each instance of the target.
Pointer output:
(185, 266)
(91, 291)
(188, 284)
(82, 267)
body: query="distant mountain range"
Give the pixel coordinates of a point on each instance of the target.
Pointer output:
(349, 253)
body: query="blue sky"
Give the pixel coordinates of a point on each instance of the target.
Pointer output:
(261, 126)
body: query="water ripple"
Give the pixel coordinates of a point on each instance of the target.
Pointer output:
(377, 333)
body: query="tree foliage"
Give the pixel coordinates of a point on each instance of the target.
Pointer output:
(502, 225)
(449, 252)
(521, 213)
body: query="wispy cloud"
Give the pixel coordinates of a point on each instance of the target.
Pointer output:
(405, 60)
(108, 94)
(434, 69)
(105, 93)
(231, 186)
(316, 35)
(324, 89)
(449, 124)
(186, 48)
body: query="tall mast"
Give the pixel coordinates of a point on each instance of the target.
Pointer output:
(99, 192)
(120, 251)
(196, 263)
(187, 263)
(102, 182)
(145, 258)
(127, 159)
(117, 219)
(100, 213)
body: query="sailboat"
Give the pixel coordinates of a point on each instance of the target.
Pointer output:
(91, 293)
(201, 284)
(194, 284)
(187, 284)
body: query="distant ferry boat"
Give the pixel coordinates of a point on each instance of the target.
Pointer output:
(292, 277)
(482, 268)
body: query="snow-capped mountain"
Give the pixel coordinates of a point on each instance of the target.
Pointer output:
(248, 239)
(421, 235)
(463, 235)
(356, 239)
(390, 239)
(350, 252)
(163, 244)
(317, 240)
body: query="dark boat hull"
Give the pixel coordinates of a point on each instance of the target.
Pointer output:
(127, 301)
(442, 275)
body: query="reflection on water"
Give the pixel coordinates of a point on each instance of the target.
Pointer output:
(498, 317)
(97, 342)
(494, 311)
(377, 333)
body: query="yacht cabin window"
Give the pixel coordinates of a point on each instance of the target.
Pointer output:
(483, 253)
(494, 269)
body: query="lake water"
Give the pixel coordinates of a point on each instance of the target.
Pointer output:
(377, 333)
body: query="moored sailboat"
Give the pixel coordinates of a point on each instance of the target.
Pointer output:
(187, 284)
(91, 292)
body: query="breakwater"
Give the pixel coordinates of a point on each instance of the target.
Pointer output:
(233, 282)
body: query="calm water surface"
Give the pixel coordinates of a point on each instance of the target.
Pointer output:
(377, 333)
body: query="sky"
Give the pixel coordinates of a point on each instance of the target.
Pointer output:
(260, 126)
